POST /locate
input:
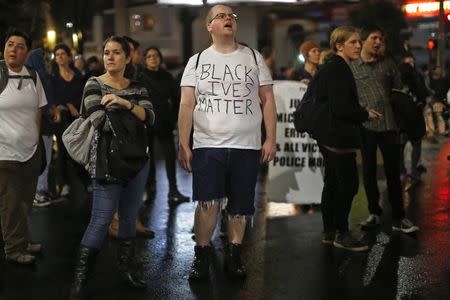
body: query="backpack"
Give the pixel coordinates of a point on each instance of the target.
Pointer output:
(305, 112)
(4, 76)
(408, 115)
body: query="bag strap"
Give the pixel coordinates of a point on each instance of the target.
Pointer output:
(4, 76)
(198, 59)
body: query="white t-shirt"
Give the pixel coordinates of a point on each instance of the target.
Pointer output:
(18, 108)
(227, 112)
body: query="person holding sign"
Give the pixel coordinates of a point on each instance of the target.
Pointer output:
(337, 132)
(226, 92)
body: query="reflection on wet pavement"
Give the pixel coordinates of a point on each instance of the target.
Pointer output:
(285, 258)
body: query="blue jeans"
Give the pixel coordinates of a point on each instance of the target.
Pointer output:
(107, 198)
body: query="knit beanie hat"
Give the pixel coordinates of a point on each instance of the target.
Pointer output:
(306, 46)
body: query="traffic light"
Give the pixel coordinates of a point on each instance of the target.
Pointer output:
(432, 44)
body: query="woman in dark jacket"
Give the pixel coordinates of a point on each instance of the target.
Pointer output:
(165, 99)
(67, 85)
(337, 131)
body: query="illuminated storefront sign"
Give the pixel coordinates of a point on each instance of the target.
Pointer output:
(424, 9)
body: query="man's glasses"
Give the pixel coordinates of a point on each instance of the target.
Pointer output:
(223, 16)
(152, 56)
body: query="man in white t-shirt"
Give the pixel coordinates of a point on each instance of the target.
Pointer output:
(226, 92)
(20, 156)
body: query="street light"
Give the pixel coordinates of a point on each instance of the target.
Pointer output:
(51, 39)
(75, 40)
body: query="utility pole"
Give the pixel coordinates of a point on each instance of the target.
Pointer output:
(442, 39)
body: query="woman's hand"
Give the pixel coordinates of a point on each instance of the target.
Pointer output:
(73, 111)
(373, 114)
(61, 107)
(111, 99)
(56, 116)
(305, 81)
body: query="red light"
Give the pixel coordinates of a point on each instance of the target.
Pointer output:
(431, 44)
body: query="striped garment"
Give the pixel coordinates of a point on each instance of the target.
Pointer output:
(92, 95)
(135, 92)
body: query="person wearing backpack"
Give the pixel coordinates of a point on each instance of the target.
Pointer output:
(337, 131)
(225, 94)
(21, 98)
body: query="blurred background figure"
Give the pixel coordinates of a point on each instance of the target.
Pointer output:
(269, 58)
(36, 60)
(414, 85)
(80, 64)
(134, 68)
(164, 94)
(434, 108)
(93, 67)
(67, 88)
(325, 55)
(311, 53)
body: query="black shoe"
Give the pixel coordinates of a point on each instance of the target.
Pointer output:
(346, 241)
(83, 268)
(233, 262)
(328, 237)
(125, 256)
(421, 169)
(146, 233)
(175, 197)
(200, 266)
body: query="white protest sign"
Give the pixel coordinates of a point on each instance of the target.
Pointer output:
(296, 173)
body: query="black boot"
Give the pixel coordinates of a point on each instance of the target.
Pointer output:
(233, 261)
(175, 197)
(125, 256)
(83, 268)
(200, 265)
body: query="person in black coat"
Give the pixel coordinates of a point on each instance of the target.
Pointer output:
(414, 85)
(164, 94)
(337, 132)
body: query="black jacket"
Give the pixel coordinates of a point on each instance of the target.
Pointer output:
(339, 121)
(165, 97)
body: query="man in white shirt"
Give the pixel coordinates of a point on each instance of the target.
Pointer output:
(226, 92)
(20, 156)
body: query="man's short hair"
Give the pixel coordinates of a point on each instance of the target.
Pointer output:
(22, 34)
(368, 30)
(133, 42)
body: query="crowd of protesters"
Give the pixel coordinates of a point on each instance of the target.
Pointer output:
(129, 91)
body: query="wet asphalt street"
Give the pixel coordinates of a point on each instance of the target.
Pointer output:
(285, 258)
